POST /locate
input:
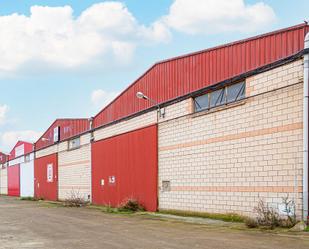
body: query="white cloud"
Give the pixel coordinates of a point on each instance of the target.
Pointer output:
(101, 98)
(215, 16)
(51, 35)
(3, 112)
(10, 138)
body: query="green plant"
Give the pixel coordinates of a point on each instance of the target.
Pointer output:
(131, 205)
(251, 222)
(29, 198)
(229, 217)
(289, 209)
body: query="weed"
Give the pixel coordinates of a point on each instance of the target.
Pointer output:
(75, 200)
(268, 217)
(251, 222)
(131, 205)
(29, 198)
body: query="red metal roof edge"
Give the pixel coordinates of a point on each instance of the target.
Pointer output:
(203, 51)
(263, 68)
(20, 141)
(59, 119)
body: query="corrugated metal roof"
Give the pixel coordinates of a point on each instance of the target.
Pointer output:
(27, 148)
(68, 128)
(172, 78)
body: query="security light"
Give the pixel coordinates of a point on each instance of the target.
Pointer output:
(161, 111)
(140, 95)
(45, 139)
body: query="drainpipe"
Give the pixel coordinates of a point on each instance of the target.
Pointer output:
(305, 132)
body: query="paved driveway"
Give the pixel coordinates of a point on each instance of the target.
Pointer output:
(33, 225)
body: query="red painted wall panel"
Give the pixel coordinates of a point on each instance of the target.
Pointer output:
(132, 159)
(68, 128)
(179, 76)
(3, 158)
(13, 180)
(28, 148)
(44, 187)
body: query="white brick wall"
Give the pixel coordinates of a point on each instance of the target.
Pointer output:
(126, 126)
(3, 181)
(226, 159)
(74, 170)
(47, 151)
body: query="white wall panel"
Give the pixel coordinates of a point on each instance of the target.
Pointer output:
(3, 181)
(27, 179)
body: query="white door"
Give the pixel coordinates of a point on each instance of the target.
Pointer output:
(27, 179)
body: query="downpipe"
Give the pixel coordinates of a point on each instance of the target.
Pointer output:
(305, 131)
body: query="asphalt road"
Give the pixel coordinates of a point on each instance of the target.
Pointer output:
(25, 224)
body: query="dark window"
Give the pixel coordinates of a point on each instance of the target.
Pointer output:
(217, 97)
(235, 92)
(201, 102)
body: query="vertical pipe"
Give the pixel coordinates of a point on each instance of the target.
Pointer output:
(305, 132)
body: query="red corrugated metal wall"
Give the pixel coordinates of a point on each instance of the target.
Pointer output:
(13, 180)
(179, 76)
(131, 159)
(42, 187)
(3, 158)
(68, 128)
(28, 148)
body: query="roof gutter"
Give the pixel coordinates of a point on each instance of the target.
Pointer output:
(305, 130)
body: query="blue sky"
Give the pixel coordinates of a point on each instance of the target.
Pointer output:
(70, 58)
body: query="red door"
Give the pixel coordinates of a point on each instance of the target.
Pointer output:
(13, 180)
(125, 166)
(46, 177)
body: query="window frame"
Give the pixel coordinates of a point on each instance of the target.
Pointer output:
(70, 143)
(224, 103)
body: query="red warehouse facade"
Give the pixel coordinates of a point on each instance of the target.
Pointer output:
(226, 113)
(213, 131)
(62, 162)
(46, 177)
(125, 166)
(16, 157)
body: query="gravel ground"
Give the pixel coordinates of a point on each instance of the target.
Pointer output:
(26, 224)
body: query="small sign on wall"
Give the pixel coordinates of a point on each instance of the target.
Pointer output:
(56, 134)
(112, 180)
(49, 172)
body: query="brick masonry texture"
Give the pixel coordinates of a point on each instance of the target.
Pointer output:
(144, 120)
(226, 159)
(3, 181)
(74, 170)
(222, 160)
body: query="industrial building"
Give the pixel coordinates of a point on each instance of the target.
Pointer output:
(62, 160)
(20, 170)
(212, 131)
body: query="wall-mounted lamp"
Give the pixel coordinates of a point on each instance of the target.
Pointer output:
(44, 139)
(161, 111)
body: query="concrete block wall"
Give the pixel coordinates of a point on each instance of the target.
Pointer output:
(3, 180)
(74, 170)
(143, 120)
(47, 151)
(226, 159)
